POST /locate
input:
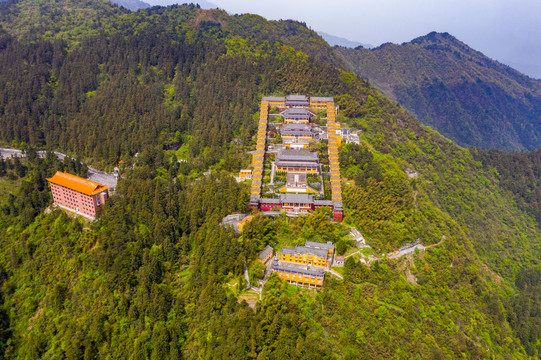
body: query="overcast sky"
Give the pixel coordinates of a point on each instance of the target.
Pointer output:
(506, 30)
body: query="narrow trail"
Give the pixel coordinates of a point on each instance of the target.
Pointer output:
(438, 243)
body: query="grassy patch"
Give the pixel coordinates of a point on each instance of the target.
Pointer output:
(249, 295)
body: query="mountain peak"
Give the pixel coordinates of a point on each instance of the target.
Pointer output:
(463, 94)
(436, 37)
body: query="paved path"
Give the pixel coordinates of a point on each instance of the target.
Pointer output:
(271, 213)
(7, 153)
(273, 171)
(102, 177)
(246, 276)
(335, 274)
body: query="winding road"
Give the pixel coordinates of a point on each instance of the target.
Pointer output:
(102, 177)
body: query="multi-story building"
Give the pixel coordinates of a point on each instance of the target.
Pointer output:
(275, 101)
(245, 174)
(266, 254)
(320, 102)
(296, 116)
(297, 160)
(305, 255)
(299, 274)
(296, 135)
(328, 246)
(304, 265)
(297, 203)
(297, 101)
(78, 194)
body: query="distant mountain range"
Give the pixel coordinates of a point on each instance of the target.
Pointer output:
(465, 95)
(137, 4)
(132, 4)
(340, 41)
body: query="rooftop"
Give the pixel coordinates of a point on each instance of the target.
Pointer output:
(296, 155)
(324, 99)
(297, 98)
(298, 268)
(254, 199)
(338, 206)
(318, 245)
(322, 253)
(233, 218)
(269, 201)
(287, 132)
(293, 113)
(77, 183)
(263, 254)
(323, 202)
(296, 198)
(293, 126)
(297, 164)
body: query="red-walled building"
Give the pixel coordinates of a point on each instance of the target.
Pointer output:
(77, 194)
(299, 203)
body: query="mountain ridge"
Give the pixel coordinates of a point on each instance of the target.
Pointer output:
(455, 89)
(341, 41)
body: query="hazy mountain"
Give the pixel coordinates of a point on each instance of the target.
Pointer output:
(204, 4)
(460, 92)
(132, 4)
(137, 4)
(340, 41)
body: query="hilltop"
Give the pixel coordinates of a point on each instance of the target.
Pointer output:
(171, 96)
(456, 90)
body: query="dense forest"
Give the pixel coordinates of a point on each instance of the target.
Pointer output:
(458, 91)
(156, 276)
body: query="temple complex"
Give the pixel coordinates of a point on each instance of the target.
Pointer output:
(301, 185)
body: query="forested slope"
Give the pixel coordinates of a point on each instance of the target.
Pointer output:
(458, 91)
(153, 277)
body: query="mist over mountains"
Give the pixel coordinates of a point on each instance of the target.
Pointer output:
(340, 41)
(137, 4)
(465, 95)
